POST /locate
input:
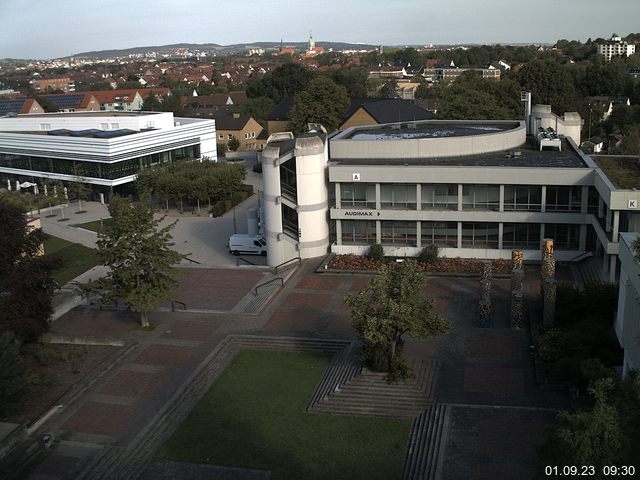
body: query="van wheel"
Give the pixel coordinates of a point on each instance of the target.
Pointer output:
(236, 252)
(263, 253)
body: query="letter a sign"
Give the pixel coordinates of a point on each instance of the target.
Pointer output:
(356, 177)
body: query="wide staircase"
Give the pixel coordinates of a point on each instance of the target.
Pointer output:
(362, 392)
(590, 271)
(425, 452)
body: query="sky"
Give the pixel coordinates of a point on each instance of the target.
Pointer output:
(42, 29)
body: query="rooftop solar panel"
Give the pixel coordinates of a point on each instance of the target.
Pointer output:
(65, 101)
(11, 106)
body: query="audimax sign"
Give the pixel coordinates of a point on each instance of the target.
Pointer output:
(361, 213)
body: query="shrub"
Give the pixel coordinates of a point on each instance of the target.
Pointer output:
(238, 197)
(376, 252)
(233, 144)
(219, 208)
(429, 254)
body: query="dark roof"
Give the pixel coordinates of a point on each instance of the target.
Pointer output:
(389, 110)
(91, 133)
(11, 106)
(229, 122)
(281, 110)
(66, 100)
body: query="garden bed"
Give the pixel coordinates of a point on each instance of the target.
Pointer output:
(443, 266)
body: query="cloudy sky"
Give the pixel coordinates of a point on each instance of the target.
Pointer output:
(49, 29)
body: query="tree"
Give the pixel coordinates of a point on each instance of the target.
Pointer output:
(321, 102)
(138, 254)
(354, 79)
(233, 144)
(26, 283)
(549, 83)
(286, 80)
(388, 90)
(12, 369)
(258, 108)
(391, 306)
(81, 190)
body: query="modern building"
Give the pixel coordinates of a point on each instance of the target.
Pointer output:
(615, 47)
(627, 323)
(65, 84)
(104, 149)
(476, 189)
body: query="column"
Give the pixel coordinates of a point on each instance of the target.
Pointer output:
(338, 232)
(418, 197)
(584, 205)
(419, 234)
(500, 232)
(616, 225)
(460, 192)
(612, 268)
(378, 229)
(543, 207)
(338, 196)
(582, 242)
(459, 234)
(378, 200)
(501, 207)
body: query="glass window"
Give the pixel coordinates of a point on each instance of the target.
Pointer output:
(398, 196)
(442, 197)
(288, 180)
(398, 233)
(481, 197)
(521, 235)
(442, 234)
(358, 232)
(565, 237)
(523, 198)
(360, 195)
(479, 235)
(289, 221)
(563, 199)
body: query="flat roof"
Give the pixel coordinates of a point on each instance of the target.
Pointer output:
(430, 129)
(623, 172)
(527, 155)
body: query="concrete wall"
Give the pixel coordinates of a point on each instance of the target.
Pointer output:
(343, 147)
(85, 121)
(272, 196)
(627, 322)
(569, 125)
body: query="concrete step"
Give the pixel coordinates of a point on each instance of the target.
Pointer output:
(425, 450)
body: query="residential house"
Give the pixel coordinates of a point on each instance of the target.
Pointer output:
(119, 100)
(376, 111)
(242, 127)
(19, 106)
(74, 102)
(615, 47)
(47, 84)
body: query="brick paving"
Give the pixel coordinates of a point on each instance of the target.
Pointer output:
(483, 367)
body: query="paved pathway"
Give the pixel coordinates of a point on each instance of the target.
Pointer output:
(486, 377)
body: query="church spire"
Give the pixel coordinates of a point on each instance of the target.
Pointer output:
(312, 43)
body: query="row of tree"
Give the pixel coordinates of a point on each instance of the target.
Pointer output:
(191, 181)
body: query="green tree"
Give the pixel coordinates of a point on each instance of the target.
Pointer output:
(12, 370)
(388, 89)
(80, 190)
(321, 102)
(354, 79)
(549, 83)
(26, 284)
(233, 144)
(141, 263)
(258, 108)
(391, 306)
(286, 80)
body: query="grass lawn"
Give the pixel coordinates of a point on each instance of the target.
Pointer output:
(254, 417)
(76, 258)
(95, 225)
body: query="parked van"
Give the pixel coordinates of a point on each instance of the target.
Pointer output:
(243, 243)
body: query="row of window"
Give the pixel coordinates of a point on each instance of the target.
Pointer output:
(445, 234)
(474, 197)
(247, 136)
(108, 171)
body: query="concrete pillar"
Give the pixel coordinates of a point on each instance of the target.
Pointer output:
(582, 246)
(543, 206)
(338, 195)
(584, 205)
(338, 232)
(608, 221)
(501, 206)
(418, 197)
(616, 225)
(460, 193)
(272, 205)
(459, 234)
(500, 233)
(378, 228)
(419, 234)
(612, 268)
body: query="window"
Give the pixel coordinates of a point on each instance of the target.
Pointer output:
(288, 180)
(221, 137)
(398, 196)
(442, 197)
(45, 126)
(442, 234)
(229, 136)
(104, 126)
(563, 199)
(115, 126)
(398, 233)
(522, 198)
(358, 232)
(359, 195)
(481, 197)
(479, 235)
(521, 235)
(565, 237)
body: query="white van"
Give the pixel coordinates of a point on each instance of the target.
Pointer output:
(243, 243)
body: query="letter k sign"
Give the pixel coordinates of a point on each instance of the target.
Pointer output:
(633, 204)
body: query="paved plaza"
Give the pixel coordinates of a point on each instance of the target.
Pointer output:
(486, 379)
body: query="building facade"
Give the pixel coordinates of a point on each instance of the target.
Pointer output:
(104, 149)
(615, 47)
(476, 189)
